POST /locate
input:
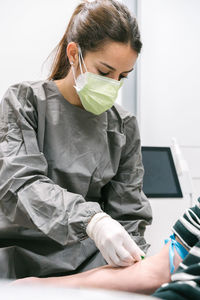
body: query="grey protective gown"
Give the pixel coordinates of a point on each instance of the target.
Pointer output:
(60, 165)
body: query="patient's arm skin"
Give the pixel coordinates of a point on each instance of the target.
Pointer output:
(143, 277)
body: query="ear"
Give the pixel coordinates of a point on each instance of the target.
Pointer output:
(72, 53)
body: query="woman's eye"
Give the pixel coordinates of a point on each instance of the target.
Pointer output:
(102, 73)
(121, 76)
(105, 74)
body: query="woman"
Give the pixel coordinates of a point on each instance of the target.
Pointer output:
(71, 170)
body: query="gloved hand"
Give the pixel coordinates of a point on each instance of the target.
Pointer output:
(113, 241)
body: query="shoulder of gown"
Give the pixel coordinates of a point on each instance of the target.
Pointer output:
(32, 90)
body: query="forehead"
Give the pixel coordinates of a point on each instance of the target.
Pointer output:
(117, 55)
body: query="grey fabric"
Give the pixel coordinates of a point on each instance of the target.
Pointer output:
(60, 165)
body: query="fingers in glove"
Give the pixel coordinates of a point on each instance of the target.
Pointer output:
(110, 262)
(133, 249)
(126, 259)
(118, 262)
(117, 257)
(108, 256)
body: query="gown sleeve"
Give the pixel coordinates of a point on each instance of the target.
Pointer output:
(27, 196)
(123, 197)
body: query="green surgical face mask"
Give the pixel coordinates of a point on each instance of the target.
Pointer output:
(97, 93)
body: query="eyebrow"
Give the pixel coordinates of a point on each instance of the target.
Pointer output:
(113, 69)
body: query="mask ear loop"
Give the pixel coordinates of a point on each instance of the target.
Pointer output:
(73, 72)
(81, 60)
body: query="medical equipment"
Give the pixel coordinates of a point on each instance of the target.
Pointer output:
(168, 185)
(183, 171)
(160, 178)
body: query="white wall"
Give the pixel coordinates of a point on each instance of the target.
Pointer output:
(170, 76)
(29, 31)
(170, 89)
(170, 68)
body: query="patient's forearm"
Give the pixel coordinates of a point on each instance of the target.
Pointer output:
(143, 277)
(106, 277)
(103, 277)
(124, 279)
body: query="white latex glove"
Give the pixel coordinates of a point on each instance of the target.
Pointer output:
(113, 241)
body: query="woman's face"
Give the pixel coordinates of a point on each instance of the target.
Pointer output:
(115, 60)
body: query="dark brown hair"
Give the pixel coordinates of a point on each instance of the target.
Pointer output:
(91, 26)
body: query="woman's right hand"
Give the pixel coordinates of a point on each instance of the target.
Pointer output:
(113, 241)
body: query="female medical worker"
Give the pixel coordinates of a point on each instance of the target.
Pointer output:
(70, 163)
